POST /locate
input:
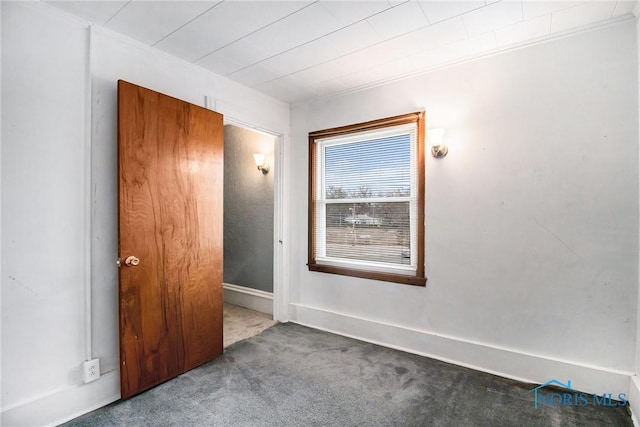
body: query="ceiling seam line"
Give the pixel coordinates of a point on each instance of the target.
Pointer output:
(255, 31)
(189, 22)
(465, 28)
(424, 12)
(333, 59)
(311, 41)
(358, 50)
(346, 54)
(116, 14)
(613, 12)
(337, 57)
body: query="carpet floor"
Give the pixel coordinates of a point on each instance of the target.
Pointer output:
(291, 375)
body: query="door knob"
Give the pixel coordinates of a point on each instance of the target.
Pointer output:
(131, 261)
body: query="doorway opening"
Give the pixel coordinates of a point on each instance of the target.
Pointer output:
(250, 237)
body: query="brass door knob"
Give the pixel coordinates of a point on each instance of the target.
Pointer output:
(131, 261)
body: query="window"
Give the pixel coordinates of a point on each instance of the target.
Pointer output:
(366, 200)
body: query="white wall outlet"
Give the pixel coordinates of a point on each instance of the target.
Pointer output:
(91, 369)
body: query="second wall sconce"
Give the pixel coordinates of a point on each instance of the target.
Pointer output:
(262, 166)
(438, 149)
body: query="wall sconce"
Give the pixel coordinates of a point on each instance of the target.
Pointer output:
(438, 149)
(262, 166)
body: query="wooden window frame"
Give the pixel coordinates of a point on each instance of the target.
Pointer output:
(417, 279)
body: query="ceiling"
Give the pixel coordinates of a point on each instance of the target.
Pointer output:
(297, 50)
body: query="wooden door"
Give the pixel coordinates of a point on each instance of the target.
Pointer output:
(170, 165)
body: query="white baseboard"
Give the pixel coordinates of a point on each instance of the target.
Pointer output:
(253, 299)
(64, 405)
(504, 362)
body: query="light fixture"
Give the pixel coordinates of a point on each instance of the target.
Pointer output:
(438, 149)
(262, 166)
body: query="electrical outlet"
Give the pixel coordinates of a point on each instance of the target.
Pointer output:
(91, 369)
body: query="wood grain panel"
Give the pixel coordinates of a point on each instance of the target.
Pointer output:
(170, 217)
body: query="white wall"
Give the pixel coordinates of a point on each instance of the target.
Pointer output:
(44, 90)
(0, 203)
(531, 220)
(634, 384)
(42, 209)
(248, 210)
(637, 370)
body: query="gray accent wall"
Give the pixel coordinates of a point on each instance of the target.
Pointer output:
(248, 209)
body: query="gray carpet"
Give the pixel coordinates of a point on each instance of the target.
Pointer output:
(290, 375)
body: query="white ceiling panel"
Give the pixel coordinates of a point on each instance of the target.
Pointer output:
(255, 75)
(492, 17)
(439, 34)
(301, 27)
(339, 43)
(224, 64)
(399, 20)
(359, 78)
(437, 11)
(383, 52)
(397, 2)
(449, 53)
(299, 49)
(350, 12)
(410, 64)
(380, 53)
(533, 9)
(286, 90)
(459, 50)
(97, 12)
(523, 31)
(382, 72)
(584, 14)
(332, 86)
(329, 86)
(150, 21)
(624, 7)
(224, 24)
(321, 72)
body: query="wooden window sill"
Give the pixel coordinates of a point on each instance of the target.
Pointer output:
(373, 275)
